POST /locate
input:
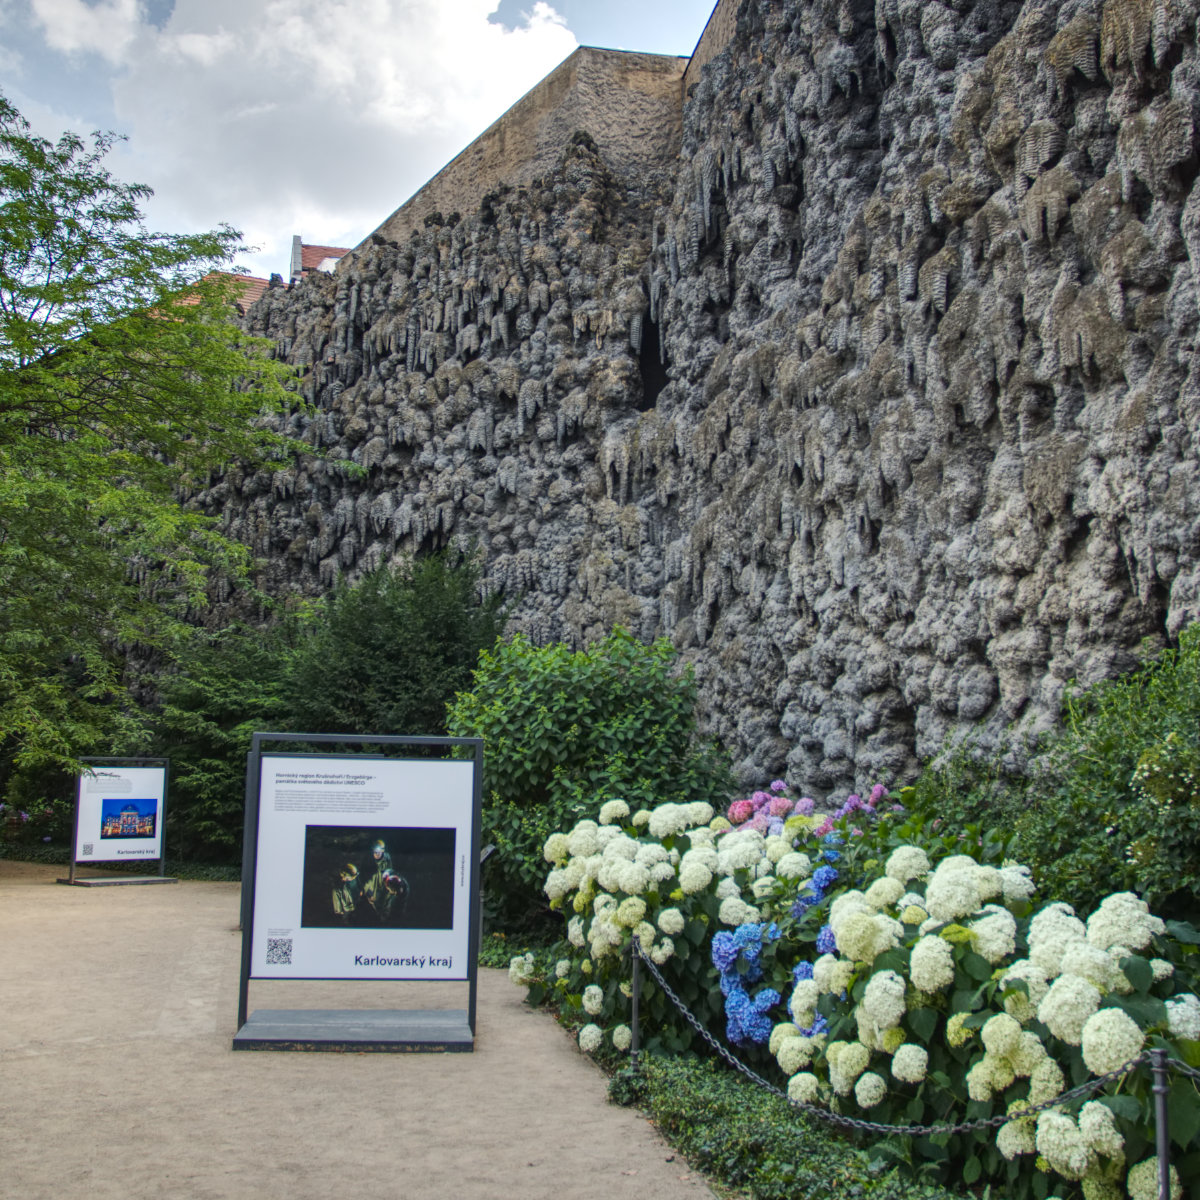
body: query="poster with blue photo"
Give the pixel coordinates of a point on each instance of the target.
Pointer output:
(120, 813)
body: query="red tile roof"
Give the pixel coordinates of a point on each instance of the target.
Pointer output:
(311, 257)
(251, 287)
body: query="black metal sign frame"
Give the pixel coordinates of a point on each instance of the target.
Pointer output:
(423, 1030)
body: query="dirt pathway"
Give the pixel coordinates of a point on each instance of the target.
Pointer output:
(117, 1006)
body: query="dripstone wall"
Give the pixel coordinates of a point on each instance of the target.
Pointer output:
(925, 279)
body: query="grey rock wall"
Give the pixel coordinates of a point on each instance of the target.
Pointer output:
(924, 278)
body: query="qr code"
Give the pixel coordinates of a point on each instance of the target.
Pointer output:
(279, 952)
(88, 848)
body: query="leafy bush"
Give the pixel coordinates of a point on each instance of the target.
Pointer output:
(564, 728)
(753, 1141)
(1112, 797)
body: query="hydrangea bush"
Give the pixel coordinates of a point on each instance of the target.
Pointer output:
(946, 994)
(891, 970)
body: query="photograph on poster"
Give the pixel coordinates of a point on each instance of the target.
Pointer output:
(128, 818)
(372, 877)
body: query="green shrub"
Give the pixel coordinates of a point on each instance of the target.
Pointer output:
(562, 729)
(754, 1141)
(1111, 800)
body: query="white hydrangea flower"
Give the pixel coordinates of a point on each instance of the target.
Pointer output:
(649, 853)
(1099, 1130)
(698, 812)
(910, 1063)
(604, 903)
(644, 932)
(883, 999)
(794, 1053)
(705, 855)
(733, 911)
(662, 872)
(590, 1037)
(763, 886)
(803, 1002)
(593, 1000)
(562, 968)
(621, 845)
(870, 1089)
(951, 894)
(1051, 932)
(794, 865)
(556, 849)
(1183, 1017)
(630, 911)
(660, 953)
(694, 877)
(907, 862)
(851, 901)
(582, 839)
(979, 1080)
(775, 847)
(1015, 1138)
(667, 819)
(1028, 1055)
(863, 936)
(1110, 1039)
(557, 884)
(803, 1087)
(633, 878)
(575, 931)
(741, 850)
(853, 1060)
(785, 1029)
(521, 970)
(931, 964)
(1024, 1007)
(1162, 969)
(1046, 1081)
(1001, 1035)
(884, 892)
(622, 1037)
(1066, 1007)
(727, 887)
(719, 825)
(1062, 1145)
(832, 974)
(640, 818)
(988, 881)
(1095, 965)
(701, 837)
(614, 810)
(606, 834)
(1125, 920)
(671, 921)
(1016, 883)
(1142, 1181)
(994, 934)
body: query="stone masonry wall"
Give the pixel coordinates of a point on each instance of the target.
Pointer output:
(924, 279)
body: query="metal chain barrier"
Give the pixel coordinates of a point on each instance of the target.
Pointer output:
(832, 1118)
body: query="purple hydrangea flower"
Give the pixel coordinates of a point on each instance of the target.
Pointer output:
(777, 785)
(805, 806)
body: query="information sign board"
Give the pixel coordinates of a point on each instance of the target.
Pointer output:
(119, 813)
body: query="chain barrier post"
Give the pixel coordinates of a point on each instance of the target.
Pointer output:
(1161, 1130)
(637, 991)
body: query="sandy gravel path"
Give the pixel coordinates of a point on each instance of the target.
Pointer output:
(117, 1006)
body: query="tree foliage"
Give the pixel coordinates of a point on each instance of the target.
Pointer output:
(122, 381)
(381, 655)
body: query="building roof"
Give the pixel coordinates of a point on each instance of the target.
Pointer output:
(251, 287)
(311, 257)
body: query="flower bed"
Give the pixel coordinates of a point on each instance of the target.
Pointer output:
(887, 970)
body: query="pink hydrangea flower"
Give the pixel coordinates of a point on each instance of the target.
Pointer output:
(826, 826)
(878, 792)
(740, 810)
(760, 822)
(760, 799)
(781, 806)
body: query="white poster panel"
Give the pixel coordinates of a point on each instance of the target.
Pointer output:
(120, 814)
(363, 868)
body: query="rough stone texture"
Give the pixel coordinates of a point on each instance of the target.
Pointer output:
(630, 104)
(718, 32)
(925, 278)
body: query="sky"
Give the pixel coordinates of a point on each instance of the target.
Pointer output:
(316, 117)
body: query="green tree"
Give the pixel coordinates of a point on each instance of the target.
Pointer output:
(122, 381)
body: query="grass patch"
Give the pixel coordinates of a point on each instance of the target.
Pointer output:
(748, 1139)
(60, 856)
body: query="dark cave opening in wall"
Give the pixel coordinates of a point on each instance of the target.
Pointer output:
(652, 367)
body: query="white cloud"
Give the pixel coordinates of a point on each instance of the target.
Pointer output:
(71, 26)
(316, 117)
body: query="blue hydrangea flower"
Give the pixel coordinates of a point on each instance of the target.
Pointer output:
(724, 951)
(823, 878)
(802, 971)
(826, 942)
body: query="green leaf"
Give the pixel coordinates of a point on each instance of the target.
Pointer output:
(977, 966)
(923, 1022)
(1184, 931)
(1139, 972)
(1183, 1111)
(972, 1169)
